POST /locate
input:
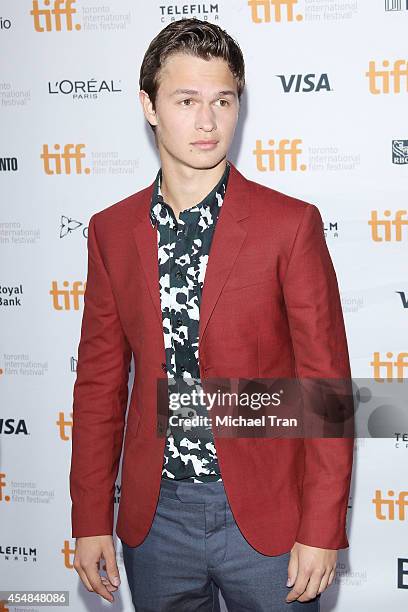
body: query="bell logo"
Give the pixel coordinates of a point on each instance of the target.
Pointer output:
(382, 229)
(388, 80)
(284, 157)
(61, 163)
(59, 17)
(280, 8)
(400, 364)
(67, 294)
(380, 503)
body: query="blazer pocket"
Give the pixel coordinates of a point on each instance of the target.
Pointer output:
(132, 425)
(253, 283)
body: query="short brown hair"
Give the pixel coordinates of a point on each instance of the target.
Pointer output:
(194, 37)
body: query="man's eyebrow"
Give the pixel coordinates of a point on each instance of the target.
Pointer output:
(194, 92)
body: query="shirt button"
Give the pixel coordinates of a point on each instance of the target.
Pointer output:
(183, 369)
(179, 274)
(190, 413)
(164, 367)
(179, 322)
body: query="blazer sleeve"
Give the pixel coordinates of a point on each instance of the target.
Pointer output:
(99, 402)
(319, 341)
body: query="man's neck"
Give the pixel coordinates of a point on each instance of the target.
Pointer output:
(183, 187)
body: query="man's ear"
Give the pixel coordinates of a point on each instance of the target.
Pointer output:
(147, 107)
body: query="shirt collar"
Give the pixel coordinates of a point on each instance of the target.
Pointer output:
(210, 199)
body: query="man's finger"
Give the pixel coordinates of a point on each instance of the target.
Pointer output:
(312, 586)
(331, 576)
(96, 582)
(84, 579)
(325, 581)
(111, 566)
(299, 587)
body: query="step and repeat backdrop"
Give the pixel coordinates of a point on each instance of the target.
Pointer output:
(323, 118)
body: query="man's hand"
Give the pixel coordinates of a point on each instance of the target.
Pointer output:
(88, 552)
(310, 571)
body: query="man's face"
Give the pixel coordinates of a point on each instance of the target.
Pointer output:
(182, 119)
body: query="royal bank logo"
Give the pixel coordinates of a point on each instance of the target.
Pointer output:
(279, 156)
(400, 152)
(396, 5)
(267, 11)
(304, 83)
(69, 225)
(388, 79)
(391, 228)
(10, 295)
(64, 159)
(91, 89)
(54, 15)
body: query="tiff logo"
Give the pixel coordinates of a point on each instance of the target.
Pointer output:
(388, 80)
(279, 8)
(60, 163)
(389, 365)
(57, 18)
(381, 503)
(396, 5)
(67, 294)
(386, 225)
(284, 157)
(63, 424)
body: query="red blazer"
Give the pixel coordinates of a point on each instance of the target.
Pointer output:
(270, 307)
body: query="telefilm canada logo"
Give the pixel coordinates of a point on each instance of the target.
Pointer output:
(206, 11)
(89, 89)
(400, 152)
(69, 225)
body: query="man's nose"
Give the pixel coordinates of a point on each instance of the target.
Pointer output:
(205, 118)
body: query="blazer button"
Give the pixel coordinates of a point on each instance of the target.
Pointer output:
(164, 367)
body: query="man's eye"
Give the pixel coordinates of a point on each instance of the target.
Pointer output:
(186, 100)
(226, 102)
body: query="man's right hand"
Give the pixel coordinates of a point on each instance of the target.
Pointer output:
(88, 552)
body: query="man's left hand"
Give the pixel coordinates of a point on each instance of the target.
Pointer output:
(310, 571)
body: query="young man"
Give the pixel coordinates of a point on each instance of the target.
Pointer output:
(201, 512)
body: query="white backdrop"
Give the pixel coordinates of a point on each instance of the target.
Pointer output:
(74, 141)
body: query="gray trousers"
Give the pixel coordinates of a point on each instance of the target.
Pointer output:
(194, 549)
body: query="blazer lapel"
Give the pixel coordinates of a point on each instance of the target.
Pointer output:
(228, 238)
